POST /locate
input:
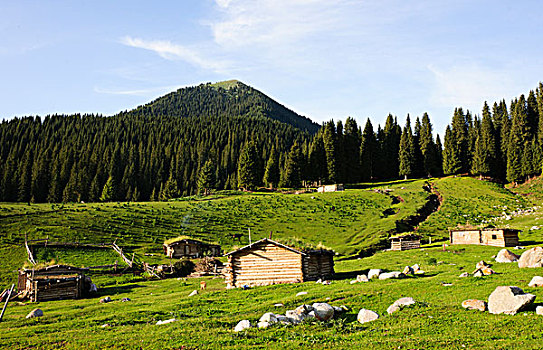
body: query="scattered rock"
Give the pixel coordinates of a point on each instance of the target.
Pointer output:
(278, 305)
(301, 293)
(362, 278)
(539, 310)
(393, 274)
(262, 325)
(269, 317)
(445, 284)
(508, 300)
(505, 256)
(400, 304)
(420, 272)
(193, 293)
(353, 282)
(408, 270)
(35, 313)
(294, 317)
(465, 274)
(105, 325)
(126, 299)
(531, 258)
(323, 311)
(537, 281)
(416, 268)
(483, 271)
(166, 321)
(366, 316)
(482, 264)
(105, 300)
(474, 304)
(373, 273)
(242, 325)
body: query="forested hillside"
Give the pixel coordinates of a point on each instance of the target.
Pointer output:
(229, 136)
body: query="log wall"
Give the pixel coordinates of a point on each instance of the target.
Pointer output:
(496, 238)
(264, 265)
(405, 245)
(318, 266)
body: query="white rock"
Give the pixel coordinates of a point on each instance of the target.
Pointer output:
(537, 281)
(262, 324)
(269, 317)
(278, 305)
(362, 278)
(35, 313)
(367, 316)
(373, 273)
(505, 256)
(400, 303)
(303, 309)
(508, 300)
(353, 282)
(242, 325)
(408, 270)
(420, 272)
(539, 310)
(323, 311)
(282, 318)
(193, 293)
(464, 274)
(393, 274)
(166, 321)
(415, 267)
(294, 318)
(301, 293)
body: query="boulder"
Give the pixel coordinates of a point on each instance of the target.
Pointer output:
(353, 282)
(242, 325)
(474, 304)
(416, 267)
(393, 274)
(373, 273)
(362, 278)
(539, 310)
(323, 311)
(193, 293)
(483, 271)
(400, 304)
(537, 281)
(508, 300)
(295, 318)
(420, 272)
(531, 258)
(269, 317)
(464, 274)
(105, 300)
(366, 316)
(263, 325)
(303, 309)
(282, 319)
(35, 313)
(505, 256)
(301, 293)
(481, 264)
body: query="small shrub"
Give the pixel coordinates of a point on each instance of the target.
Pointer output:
(183, 267)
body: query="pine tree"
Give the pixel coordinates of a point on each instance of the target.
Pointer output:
(330, 143)
(451, 160)
(439, 154)
(292, 174)
(459, 130)
(272, 173)
(206, 177)
(351, 144)
(485, 156)
(390, 146)
(109, 190)
(518, 137)
(170, 189)
(368, 152)
(428, 148)
(317, 160)
(248, 178)
(407, 151)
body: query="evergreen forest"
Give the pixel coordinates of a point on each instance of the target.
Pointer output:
(231, 136)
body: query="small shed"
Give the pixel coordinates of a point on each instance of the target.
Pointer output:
(405, 242)
(497, 237)
(186, 247)
(331, 188)
(268, 262)
(53, 282)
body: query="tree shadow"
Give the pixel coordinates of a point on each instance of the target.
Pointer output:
(110, 290)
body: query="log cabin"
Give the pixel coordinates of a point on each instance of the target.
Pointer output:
(503, 237)
(53, 283)
(405, 242)
(267, 262)
(186, 247)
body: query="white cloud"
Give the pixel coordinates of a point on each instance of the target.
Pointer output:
(167, 50)
(136, 92)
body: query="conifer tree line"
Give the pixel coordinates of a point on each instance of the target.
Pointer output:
(140, 156)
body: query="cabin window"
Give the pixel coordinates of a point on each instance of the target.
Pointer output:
(494, 237)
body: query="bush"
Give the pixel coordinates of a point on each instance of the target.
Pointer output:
(183, 267)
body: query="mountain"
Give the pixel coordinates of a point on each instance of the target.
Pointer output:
(225, 98)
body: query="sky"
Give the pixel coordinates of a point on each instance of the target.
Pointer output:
(324, 59)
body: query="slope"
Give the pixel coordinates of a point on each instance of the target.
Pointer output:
(224, 98)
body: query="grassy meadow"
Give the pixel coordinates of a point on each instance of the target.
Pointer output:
(348, 222)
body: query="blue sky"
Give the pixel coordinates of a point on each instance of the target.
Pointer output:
(322, 58)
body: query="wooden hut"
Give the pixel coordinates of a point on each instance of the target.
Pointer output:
(331, 188)
(53, 283)
(268, 262)
(186, 247)
(405, 242)
(503, 237)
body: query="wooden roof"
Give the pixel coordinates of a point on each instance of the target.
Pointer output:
(191, 241)
(409, 236)
(51, 268)
(484, 229)
(267, 240)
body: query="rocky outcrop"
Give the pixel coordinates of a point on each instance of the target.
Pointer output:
(508, 300)
(400, 304)
(531, 258)
(505, 256)
(367, 316)
(474, 304)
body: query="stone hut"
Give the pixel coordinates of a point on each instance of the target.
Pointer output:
(268, 262)
(502, 237)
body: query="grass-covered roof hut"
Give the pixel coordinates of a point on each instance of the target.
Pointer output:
(53, 282)
(268, 262)
(187, 247)
(405, 242)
